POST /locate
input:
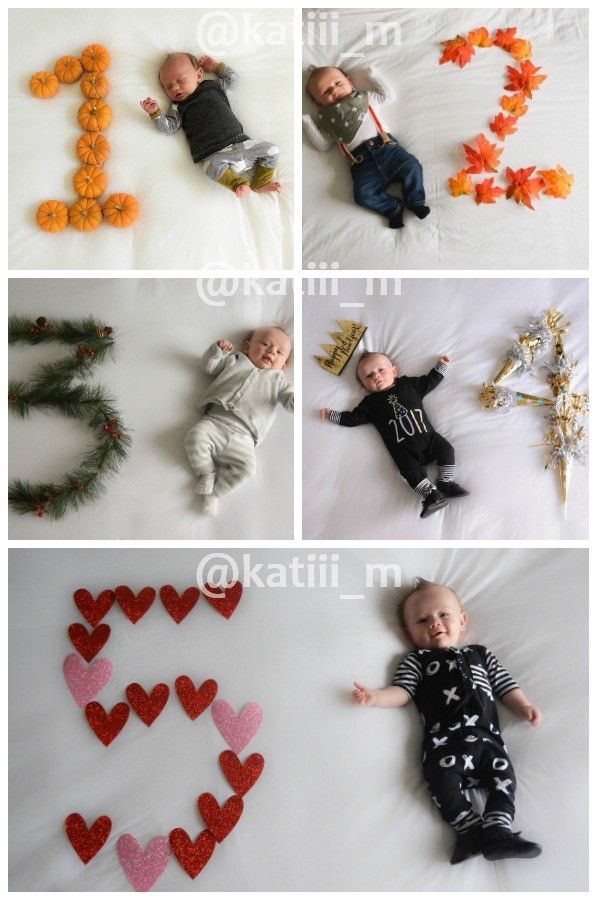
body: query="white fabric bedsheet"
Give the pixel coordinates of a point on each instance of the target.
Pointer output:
(438, 108)
(186, 221)
(351, 488)
(341, 804)
(162, 329)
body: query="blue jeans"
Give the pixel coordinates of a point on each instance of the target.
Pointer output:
(379, 165)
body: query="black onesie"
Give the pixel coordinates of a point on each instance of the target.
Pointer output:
(402, 422)
(462, 748)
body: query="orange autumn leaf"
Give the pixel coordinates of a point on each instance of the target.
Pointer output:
(514, 104)
(521, 49)
(461, 184)
(479, 38)
(523, 188)
(457, 50)
(504, 37)
(503, 125)
(524, 80)
(558, 182)
(485, 158)
(486, 192)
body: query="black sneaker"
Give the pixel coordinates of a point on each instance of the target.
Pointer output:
(468, 844)
(396, 221)
(499, 843)
(432, 502)
(451, 489)
(420, 211)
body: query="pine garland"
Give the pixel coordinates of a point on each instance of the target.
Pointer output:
(60, 387)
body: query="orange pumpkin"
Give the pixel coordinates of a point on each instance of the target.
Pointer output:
(85, 214)
(95, 58)
(94, 115)
(52, 215)
(68, 69)
(94, 85)
(90, 181)
(93, 148)
(121, 210)
(43, 85)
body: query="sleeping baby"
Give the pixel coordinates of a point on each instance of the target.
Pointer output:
(347, 118)
(454, 689)
(238, 410)
(200, 106)
(394, 405)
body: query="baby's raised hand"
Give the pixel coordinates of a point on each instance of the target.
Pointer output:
(533, 715)
(445, 359)
(324, 413)
(149, 105)
(225, 345)
(208, 63)
(362, 695)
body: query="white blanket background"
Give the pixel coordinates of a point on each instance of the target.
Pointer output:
(341, 804)
(186, 221)
(437, 109)
(351, 487)
(162, 328)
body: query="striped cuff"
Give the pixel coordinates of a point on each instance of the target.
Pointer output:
(335, 416)
(441, 367)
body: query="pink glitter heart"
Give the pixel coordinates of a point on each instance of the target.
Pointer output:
(143, 868)
(237, 730)
(86, 681)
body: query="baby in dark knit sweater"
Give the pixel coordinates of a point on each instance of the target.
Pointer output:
(200, 106)
(394, 405)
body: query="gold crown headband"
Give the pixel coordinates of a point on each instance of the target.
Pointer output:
(345, 343)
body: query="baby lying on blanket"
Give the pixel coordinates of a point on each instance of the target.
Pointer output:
(238, 410)
(346, 117)
(216, 138)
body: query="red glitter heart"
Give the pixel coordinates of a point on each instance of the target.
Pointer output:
(192, 856)
(241, 776)
(220, 819)
(179, 605)
(134, 607)
(86, 841)
(223, 599)
(88, 644)
(147, 706)
(106, 726)
(195, 700)
(93, 610)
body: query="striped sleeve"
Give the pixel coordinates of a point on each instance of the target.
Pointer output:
(501, 681)
(408, 674)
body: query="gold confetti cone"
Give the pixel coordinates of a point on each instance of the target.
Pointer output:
(532, 400)
(509, 367)
(565, 472)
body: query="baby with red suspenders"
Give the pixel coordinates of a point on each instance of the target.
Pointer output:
(347, 118)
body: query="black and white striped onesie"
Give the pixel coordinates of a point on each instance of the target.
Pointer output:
(454, 692)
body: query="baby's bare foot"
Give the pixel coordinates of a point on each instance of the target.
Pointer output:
(241, 190)
(268, 188)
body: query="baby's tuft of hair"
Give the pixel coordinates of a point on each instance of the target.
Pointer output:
(418, 586)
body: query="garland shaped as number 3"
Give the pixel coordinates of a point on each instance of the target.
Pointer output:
(485, 157)
(60, 386)
(93, 149)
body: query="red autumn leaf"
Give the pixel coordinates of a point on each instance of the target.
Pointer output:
(486, 192)
(524, 80)
(521, 49)
(486, 158)
(479, 38)
(558, 182)
(503, 125)
(461, 184)
(457, 50)
(504, 38)
(514, 104)
(523, 188)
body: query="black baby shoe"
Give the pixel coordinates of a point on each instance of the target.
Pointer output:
(432, 502)
(396, 221)
(420, 211)
(468, 844)
(499, 843)
(452, 489)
